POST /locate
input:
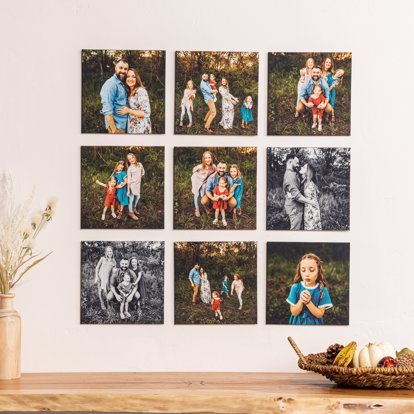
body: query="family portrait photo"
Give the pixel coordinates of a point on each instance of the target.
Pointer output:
(309, 93)
(122, 282)
(307, 283)
(215, 188)
(308, 188)
(216, 93)
(122, 187)
(215, 283)
(123, 91)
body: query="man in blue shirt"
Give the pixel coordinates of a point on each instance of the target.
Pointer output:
(195, 280)
(209, 100)
(114, 97)
(307, 89)
(212, 183)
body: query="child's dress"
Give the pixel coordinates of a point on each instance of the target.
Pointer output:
(317, 101)
(246, 112)
(215, 304)
(110, 199)
(135, 174)
(238, 191)
(318, 298)
(104, 270)
(330, 79)
(214, 89)
(125, 289)
(225, 287)
(220, 204)
(121, 193)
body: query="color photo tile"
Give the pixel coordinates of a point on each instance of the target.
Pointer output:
(215, 283)
(308, 188)
(307, 283)
(309, 93)
(122, 282)
(216, 93)
(123, 91)
(215, 188)
(122, 187)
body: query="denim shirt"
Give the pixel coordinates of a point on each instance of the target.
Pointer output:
(194, 276)
(206, 91)
(306, 90)
(212, 182)
(113, 97)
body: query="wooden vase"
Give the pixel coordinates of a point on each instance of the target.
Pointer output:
(10, 338)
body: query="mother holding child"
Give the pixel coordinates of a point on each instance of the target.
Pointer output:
(123, 188)
(213, 186)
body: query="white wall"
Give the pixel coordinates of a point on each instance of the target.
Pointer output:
(40, 111)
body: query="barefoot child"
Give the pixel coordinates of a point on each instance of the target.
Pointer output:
(135, 173)
(110, 199)
(225, 286)
(121, 181)
(246, 111)
(237, 188)
(221, 193)
(187, 103)
(103, 272)
(215, 305)
(238, 286)
(317, 98)
(213, 86)
(309, 297)
(125, 289)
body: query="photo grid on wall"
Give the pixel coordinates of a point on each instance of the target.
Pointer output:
(215, 187)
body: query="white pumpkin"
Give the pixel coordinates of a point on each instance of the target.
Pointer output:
(370, 354)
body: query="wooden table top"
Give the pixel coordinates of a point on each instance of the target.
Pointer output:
(195, 393)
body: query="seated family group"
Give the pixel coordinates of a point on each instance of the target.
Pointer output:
(214, 187)
(317, 90)
(124, 284)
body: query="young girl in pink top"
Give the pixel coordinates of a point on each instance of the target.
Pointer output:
(238, 286)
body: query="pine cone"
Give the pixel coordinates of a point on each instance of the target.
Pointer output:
(332, 352)
(405, 361)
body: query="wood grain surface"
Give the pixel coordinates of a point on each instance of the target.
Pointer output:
(224, 393)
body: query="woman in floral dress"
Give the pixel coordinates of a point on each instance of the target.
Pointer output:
(228, 102)
(205, 291)
(311, 213)
(139, 110)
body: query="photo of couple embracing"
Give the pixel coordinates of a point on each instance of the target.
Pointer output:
(308, 188)
(215, 188)
(123, 91)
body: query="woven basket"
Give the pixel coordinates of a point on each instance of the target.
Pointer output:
(380, 378)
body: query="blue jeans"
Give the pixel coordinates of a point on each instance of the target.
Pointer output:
(196, 197)
(190, 116)
(133, 202)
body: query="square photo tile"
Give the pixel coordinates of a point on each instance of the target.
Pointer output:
(309, 93)
(122, 187)
(122, 282)
(308, 188)
(216, 93)
(215, 283)
(123, 91)
(307, 283)
(215, 188)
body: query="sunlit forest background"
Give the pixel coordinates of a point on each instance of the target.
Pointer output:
(282, 260)
(217, 259)
(98, 163)
(185, 159)
(283, 77)
(99, 65)
(333, 166)
(241, 69)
